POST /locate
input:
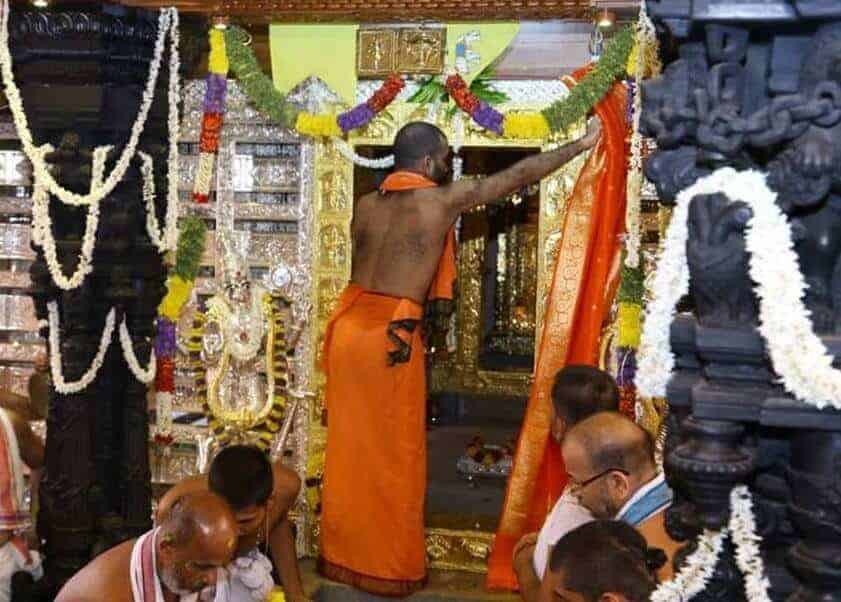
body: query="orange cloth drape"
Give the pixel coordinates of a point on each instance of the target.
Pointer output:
(372, 520)
(575, 311)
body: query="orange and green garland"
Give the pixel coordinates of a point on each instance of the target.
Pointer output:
(557, 117)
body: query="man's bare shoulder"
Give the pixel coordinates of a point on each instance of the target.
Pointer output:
(193, 484)
(287, 485)
(106, 577)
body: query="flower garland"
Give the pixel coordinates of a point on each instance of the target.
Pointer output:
(61, 385)
(642, 61)
(357, 117)
(179, 284)
(348, 153)
(212, 118)
(798, 355)
(699, 567)
(258, 87)
(170, 234)
(146, 375)
(696, 572)
(166, 239)
(560, 115)
(42, 234)
(646, 38)
(167, 24)
(742, 528)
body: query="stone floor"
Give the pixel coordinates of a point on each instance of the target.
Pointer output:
(444, 586)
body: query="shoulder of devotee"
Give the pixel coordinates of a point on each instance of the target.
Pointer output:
(106, 577)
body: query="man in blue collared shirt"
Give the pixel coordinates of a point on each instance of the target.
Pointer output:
(612, 472)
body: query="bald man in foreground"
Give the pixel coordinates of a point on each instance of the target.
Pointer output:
(173, 562)
(611, 470)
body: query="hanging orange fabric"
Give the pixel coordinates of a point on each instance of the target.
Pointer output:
(575, 311)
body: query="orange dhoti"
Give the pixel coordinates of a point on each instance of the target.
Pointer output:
(372, 521)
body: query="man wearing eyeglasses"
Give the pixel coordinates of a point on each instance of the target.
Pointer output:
(578, 392)
(612, 472)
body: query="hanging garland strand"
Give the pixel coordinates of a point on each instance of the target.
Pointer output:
(562, 114)
(256, 85)
(179, 285)
(557, 117)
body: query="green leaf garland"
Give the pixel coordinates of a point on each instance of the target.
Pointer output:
(190, 248)
(562, 114)
(632, 285)
(257, 85)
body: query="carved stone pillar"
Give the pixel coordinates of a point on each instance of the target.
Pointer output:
(814, 508)
(705, 467)
(96, 488)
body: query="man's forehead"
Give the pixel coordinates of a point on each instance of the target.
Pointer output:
(573, 452)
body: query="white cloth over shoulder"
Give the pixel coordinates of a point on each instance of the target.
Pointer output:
(567, 515)
(250, 577)
(146, 586)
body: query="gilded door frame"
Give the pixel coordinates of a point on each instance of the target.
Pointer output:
(331, 254)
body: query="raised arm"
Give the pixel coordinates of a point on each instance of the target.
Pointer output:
(466, 194)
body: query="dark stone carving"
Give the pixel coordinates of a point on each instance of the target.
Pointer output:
(744, 92)
(82, 75)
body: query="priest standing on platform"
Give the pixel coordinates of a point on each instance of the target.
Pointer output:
(372, 524)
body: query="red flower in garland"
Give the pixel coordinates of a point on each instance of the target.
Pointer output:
(386, 93)
(466, 100)
(164, 376)
(454, 82)
(628, 401)
(211, 125)
(461, 94)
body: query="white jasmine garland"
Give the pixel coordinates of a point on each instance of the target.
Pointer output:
(798, 355)
(204, 174)
(161, 239)
(146, 375)
(163, 411)
(348, 153)
(42, 233)
(645, 36)
(62, 386)
(696, 572)
(742, 527)
(170, 236)
(458, 140)
(167, 23)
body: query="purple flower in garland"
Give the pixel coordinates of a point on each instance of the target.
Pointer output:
(357, 117)
(214, 96)
(165, 339)
(488, 117)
